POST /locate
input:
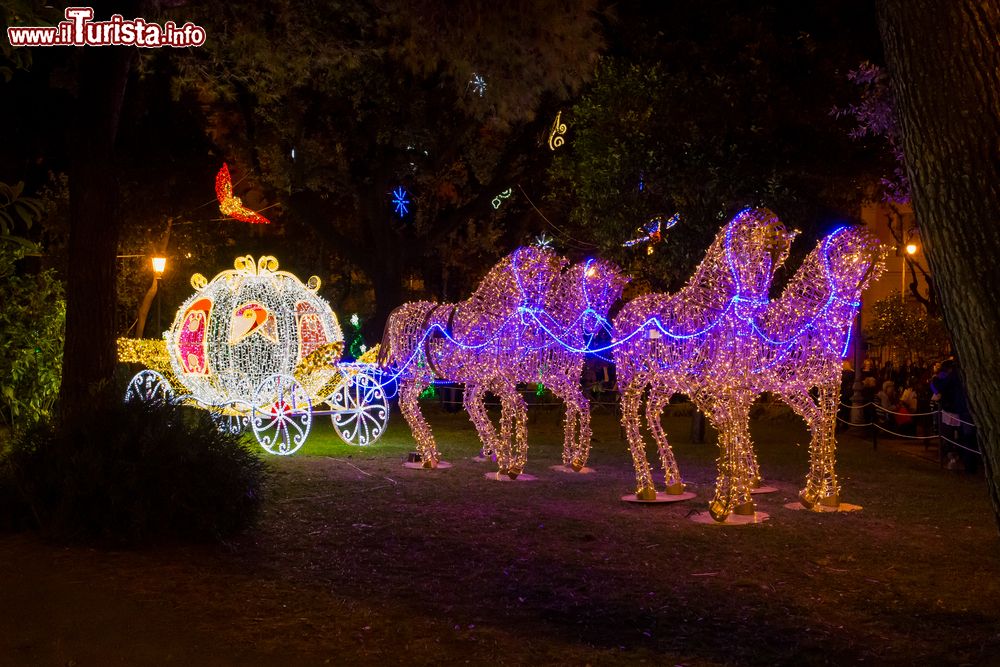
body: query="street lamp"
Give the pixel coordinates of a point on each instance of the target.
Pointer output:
(910, 249)
(159, 266)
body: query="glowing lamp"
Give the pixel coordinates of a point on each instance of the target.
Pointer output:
(159, 265)
(911, 248)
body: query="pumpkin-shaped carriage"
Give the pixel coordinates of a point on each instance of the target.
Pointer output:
(260, 349)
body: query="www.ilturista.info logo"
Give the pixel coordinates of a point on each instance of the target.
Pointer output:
(79, 30)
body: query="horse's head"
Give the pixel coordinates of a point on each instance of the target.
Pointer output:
(587, 291)
(852, 258)
(535, 272)
(755, 244)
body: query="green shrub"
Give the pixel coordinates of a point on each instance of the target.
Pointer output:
(136, 473)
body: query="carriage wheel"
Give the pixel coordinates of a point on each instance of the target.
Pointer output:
(360, 408)
(148, 386)
(281, 415)
(233, 418)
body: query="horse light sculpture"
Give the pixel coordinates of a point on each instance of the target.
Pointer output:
(697, 342)
(787, 346)
(801, 340)
(530, 319)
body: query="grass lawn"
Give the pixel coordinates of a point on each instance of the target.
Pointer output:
(360, 561)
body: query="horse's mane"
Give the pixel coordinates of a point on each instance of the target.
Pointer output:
(810, 286)
(807, 287)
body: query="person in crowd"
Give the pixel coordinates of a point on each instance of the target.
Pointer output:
(867, 370)
(846, 392)
(907, 407)
(888, 400)
(956, 420)
(868, 397)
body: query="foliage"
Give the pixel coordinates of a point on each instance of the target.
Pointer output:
(699, 116)
(16, 209)
(364, 97)
(908, 329)
(135, 473)
(32, 321)
(875, 114)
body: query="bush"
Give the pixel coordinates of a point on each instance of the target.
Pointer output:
(135, 473)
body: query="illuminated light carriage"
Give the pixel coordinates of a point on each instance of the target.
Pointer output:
(256, 345)
(260, 349)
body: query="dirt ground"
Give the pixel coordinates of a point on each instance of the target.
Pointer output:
(360, 561)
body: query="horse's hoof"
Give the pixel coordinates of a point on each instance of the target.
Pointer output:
(718, 512)
(576, 465)
(675, 489)
(430, 463)
(513, 473)
(648, 493)
(807, 499)
(746, 509)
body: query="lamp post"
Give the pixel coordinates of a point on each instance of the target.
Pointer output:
(910, 249)
(159, 266)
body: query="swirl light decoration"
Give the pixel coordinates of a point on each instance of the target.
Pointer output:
(532, 318)
(556, 133)
(723, 343)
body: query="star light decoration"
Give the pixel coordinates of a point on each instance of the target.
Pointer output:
(399, 201)
(232, 206)
(543, 241)
(722, 342)
(652, 232)
(478, 83)
(531, 319)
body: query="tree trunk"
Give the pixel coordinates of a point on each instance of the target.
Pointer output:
(89, 356)
(944, 64)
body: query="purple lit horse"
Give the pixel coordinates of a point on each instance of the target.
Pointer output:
(529, 320)
(802, 337)
(697, 342)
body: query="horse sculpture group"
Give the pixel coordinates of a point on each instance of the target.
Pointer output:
(720, 339)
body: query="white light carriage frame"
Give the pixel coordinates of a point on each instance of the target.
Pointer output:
(259, 348)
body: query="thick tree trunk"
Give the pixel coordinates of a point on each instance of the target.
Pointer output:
(89, 355)
(944, 63)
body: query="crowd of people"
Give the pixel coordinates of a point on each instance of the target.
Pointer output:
(913, 399)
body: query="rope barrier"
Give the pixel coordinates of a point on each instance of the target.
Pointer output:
(904, 436)
(960, 446)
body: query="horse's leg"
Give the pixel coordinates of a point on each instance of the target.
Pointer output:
(576, 429)
(631, 398)
(655, 404)
(821, 482)
(475, 407)
(517, 411)
(409, 392)
(730, 413)
(584, 434)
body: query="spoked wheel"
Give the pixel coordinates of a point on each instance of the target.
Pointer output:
(148, 386)
(360, 407)
(233, 418)
(281, 415)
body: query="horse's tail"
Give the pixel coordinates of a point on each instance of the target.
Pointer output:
(402, 332)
